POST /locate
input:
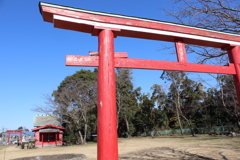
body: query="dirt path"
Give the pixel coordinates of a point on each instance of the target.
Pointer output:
(187, 148)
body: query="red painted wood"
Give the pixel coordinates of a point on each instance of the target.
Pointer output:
(107, 120)
(116, 54)
(48, 126)
(96, 30)
(181, 51)
(175, 66)
(135, 34)
(234, 57)
(92, 61)
(14, 132)
(73, 60)
(48, 12)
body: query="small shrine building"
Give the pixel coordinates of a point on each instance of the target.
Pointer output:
(48, 131)
(48, 136)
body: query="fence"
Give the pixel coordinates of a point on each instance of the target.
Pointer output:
(188, 131)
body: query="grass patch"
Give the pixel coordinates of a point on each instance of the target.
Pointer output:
(91, 143)
(1, 147)
(236, 145)
(209, 138)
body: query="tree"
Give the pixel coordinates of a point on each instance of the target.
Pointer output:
(192, 95)
(209, 113)
(144, 120)
(126, 101)
(23, 128)
(160, 99)
(219, 15)
(175, 91)
(159, 96)
(227, 95)
(184, 96)
(20, 128)
(77, 96)
(150, 115)
(72, 102)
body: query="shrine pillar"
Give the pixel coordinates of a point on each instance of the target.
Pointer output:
(107, 120)
(8, 137)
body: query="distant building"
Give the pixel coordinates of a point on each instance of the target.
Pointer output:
(48, 136)
(48, 131)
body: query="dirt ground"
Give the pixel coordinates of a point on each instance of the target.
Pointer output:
(202, 147)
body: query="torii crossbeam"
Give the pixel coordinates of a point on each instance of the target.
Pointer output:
(108, 26)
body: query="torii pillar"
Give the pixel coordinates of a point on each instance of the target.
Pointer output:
(107, 120)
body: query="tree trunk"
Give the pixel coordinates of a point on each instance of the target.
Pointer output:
(118, 107)
(177, 109)
(84, 115)
(189, 125)
(85, 134)
(179, 121)
(73, 134)
(127, 126)
(81, 137)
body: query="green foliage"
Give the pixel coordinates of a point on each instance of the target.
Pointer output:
(23, 128)
(126, 102)
(76, 98)
(139, 112)
(173, 122)
(20, 128)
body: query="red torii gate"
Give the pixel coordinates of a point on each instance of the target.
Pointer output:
(9, 132)
(108, 26)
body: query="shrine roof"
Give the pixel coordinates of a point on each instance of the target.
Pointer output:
(42, 120)
(47, 126)
(86, 21)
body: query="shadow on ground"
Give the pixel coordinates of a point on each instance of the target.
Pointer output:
(55, 157)
(163, 153)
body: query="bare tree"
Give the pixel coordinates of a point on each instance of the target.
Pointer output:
(219, 15)
(227, 93)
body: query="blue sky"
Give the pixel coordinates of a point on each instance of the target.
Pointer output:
(33, 52)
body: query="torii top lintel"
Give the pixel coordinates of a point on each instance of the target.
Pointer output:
(85, 21)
